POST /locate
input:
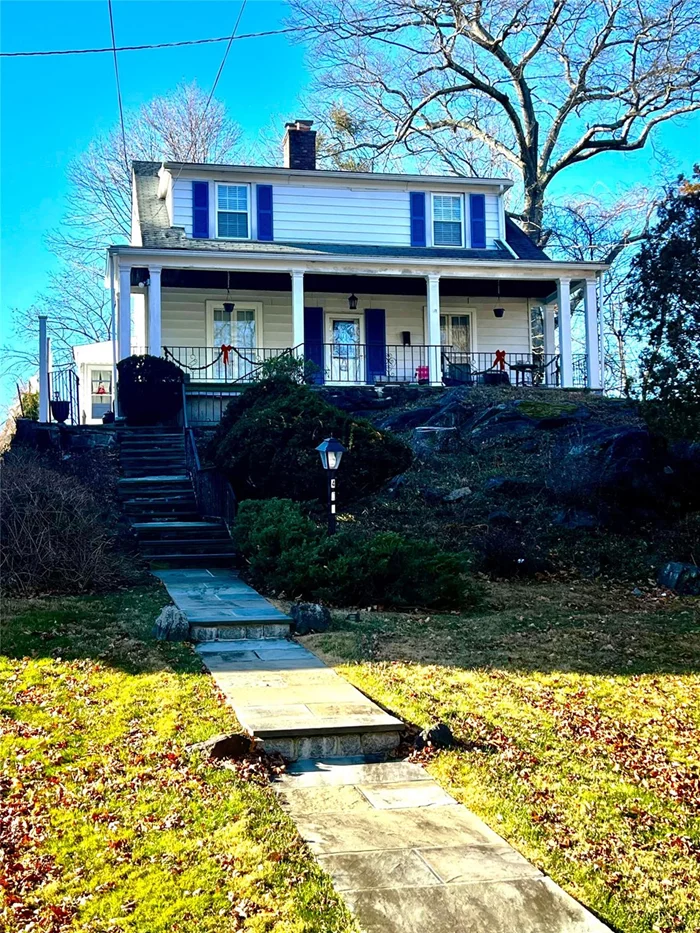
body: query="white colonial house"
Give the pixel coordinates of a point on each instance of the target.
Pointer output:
(374, 278)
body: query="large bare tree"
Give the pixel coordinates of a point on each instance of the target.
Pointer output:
(531, 87)
(181, 126)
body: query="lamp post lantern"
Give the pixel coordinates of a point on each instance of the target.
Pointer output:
(331, 452)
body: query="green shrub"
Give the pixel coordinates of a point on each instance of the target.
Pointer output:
(290, 555)
(266, 442)
(29, 404)
(149, 389)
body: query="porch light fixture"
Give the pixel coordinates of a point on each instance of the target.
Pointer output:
(228, 304)
(352, 302)
(499, 312)
(331, 452)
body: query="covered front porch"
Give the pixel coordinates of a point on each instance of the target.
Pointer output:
(493, 323)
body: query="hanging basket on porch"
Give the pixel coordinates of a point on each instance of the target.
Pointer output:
(149, 389)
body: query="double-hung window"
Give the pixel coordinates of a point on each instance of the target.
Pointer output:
(232, 212)
(447, 220)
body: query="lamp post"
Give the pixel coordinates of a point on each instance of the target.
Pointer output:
(331, 452)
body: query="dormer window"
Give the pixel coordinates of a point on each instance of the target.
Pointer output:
(232, 209)
(447, 220)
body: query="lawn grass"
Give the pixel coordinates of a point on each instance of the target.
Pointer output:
(106, 822)
(577, 711)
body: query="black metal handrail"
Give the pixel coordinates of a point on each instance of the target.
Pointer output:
(63, 387)
(213, 492)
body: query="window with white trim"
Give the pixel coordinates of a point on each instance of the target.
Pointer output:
(232, 210)
(447, 219)
(100, 392)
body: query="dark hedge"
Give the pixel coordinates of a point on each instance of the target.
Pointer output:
(150, 389)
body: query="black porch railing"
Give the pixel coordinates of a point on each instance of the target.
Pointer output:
(63, 395)
(365, 364)
(227, 364)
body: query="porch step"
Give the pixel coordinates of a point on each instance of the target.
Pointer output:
(162, 561)
(155, 546)
(159, 529)
(286, 696)
(213, 636)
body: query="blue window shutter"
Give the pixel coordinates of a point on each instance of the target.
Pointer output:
(264, 198)
(477, 220)
(200, 209)
(417, 218)
(375, 335)
(313, 341)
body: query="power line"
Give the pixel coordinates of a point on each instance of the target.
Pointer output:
(157, 45)
(119, 90)
(184, 42)
(223, 60)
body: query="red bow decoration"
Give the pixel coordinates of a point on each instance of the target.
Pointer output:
(500, 360)
(225, 350)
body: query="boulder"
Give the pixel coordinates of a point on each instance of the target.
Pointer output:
(458, 494)
(681, 578)
(428, 442)
(172, 625)
(232, 745)
(407, 420)
(309, 617)
(623, 465)
(438, 735)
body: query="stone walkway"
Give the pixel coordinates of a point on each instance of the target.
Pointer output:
(404, 854)
(408, 858)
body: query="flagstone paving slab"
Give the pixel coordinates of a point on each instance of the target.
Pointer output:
(411, 859)
(407, 857)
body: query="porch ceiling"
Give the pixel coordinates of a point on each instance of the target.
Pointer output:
(539, 289)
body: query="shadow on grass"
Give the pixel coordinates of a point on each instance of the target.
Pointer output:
(544, 628)
(115, 629)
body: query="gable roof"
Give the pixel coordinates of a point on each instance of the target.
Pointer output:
(156, 233)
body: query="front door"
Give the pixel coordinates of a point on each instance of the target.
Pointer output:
(236, 329)
(346, 363)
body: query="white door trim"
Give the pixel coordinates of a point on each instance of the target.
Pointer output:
(471, 313)
(256, 306)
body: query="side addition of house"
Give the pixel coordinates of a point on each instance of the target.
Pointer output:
(373, 278)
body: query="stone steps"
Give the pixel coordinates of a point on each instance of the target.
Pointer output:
(288, 698)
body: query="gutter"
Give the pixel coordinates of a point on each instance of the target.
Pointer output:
(171, 256)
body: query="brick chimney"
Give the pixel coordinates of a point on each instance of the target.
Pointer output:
(300, 145)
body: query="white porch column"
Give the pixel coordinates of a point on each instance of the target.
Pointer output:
(590, 304)
(43, 371)
(124, 312)
(298, 309)
(601, 326)
(549, 344)
(565, 359)
(154, 313)
(432, 328)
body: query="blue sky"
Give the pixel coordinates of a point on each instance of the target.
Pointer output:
(51, 108)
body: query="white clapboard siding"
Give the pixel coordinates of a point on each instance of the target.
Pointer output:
(181, 211)
(510, 333)
(308, 214)
(184, 317)
(492, 219)
(341, 215)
